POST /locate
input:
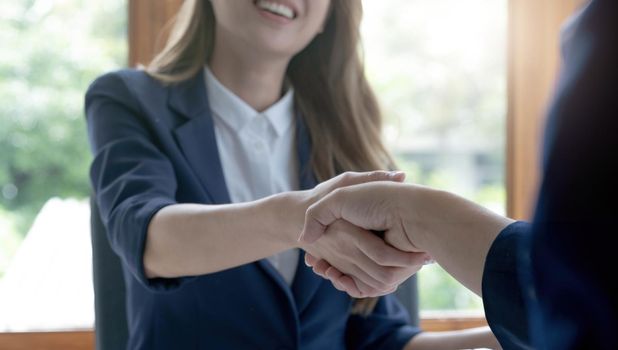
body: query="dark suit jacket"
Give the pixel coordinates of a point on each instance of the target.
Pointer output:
(155, 145)
(566, 296)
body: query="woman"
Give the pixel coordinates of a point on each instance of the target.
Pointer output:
(248, 99)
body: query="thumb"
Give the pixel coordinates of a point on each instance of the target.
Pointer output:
(319, 215)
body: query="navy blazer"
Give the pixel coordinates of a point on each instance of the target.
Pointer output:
(154, 145)
(564, 294)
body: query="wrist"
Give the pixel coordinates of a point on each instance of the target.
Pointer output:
(418, 207)
(288, 210)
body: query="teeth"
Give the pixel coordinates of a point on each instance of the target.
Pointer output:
(276, 8)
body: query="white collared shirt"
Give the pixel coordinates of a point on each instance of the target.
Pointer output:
(257, 152)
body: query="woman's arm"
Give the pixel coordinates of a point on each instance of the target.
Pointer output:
(472, 338)
(195, 239)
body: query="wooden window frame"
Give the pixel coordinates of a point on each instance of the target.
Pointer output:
(533, 59)
(533, 62)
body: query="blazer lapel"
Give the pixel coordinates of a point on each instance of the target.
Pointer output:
(196, 137)
(306, 282)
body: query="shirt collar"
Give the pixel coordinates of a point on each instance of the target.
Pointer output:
(236, 113)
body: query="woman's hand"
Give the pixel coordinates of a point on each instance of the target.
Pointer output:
(292, 206)
(366, 266)
(389, 257)
(371, 266)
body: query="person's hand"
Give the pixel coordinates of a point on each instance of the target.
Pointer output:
(366, 266)
(294, 204)
(371, 206)
(455, 231)
(372, 266)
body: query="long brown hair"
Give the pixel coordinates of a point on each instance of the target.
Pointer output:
(331, 91)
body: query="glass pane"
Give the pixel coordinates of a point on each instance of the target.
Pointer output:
(50, 51)
(439, 70)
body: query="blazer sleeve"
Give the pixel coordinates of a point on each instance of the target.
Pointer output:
(574, 231)
(387, 327)
(503, 298)
(130, 176)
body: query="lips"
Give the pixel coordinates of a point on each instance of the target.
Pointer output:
(277, 8)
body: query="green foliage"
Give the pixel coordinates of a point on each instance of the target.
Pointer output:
(439, 291)
(9, 239)
(51, 51)
(438, 68)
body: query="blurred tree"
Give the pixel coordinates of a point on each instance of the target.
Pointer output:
(439, 70)
(51, 51)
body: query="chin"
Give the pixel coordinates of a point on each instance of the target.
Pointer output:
(279, 47)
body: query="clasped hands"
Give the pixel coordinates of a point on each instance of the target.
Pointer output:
(354, 236)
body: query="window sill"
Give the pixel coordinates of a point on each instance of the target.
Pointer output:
(84, 340)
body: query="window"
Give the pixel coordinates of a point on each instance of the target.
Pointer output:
(439, 69)
(50, 52)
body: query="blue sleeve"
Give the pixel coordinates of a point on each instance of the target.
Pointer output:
(573, 242)
(130, 177)
(504, 302)
(387, 327)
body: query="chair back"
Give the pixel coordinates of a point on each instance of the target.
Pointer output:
(111, 330)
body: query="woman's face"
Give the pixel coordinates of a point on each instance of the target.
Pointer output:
(273, 27)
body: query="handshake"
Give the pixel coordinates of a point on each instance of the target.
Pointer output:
(368, 232)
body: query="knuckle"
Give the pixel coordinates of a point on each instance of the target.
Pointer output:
(336, 226)
(311, 211)
(382, 255)
(388, 276)
(346, 177)
(337, 193)
(375, 175)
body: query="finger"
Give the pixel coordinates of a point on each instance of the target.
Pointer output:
(338, 286)
(428, 260)
(328, 209)
(333, 275)
(320, 267)
(382, 277)
(386, 255)
(310, 260)
(366, 285)
(349, 286)
(365, 289)
(319, 215)
(377, 284)
(392, 290)
(351, 178)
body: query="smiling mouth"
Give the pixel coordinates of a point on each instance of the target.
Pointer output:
(276, 8)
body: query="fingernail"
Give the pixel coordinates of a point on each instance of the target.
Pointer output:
(396, 174)
(428, 261)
